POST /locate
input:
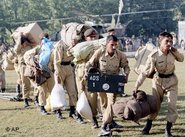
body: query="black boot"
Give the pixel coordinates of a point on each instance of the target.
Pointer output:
(113, 125)
(103, 131)
(26, 104)
(147, 127)
(168, 129)
(72, 113)
(3, 90)
(59, 114)
(79, 118)
(95, 123)
(43, 111)
(18, 91)
(36, 101)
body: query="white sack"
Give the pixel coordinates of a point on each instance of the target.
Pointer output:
(83, 107)
(57, 98)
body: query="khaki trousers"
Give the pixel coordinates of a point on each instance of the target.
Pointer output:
(108, 112)
(68, 81)
(25, 82)
(2, 78)
(168, 87)
(45, 90)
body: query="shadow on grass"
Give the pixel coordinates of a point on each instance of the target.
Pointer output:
(13, 109)
(181, 98)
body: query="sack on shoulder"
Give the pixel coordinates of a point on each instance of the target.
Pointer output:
(141, 57)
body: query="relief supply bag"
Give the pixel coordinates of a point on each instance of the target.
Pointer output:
(57, 98)
(83, 107)
(141, 57)
(45, 54)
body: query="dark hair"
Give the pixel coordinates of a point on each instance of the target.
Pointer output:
(165, 34)
(111, 37)
(24, 39)
(44, 34)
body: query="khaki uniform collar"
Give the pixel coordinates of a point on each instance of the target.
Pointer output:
(115, 54)
(161, 53)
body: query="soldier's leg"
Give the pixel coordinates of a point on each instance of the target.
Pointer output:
(72, 92)
(100, 113)
(25, 86)
(3, 84)
(42, 97)
(107, 115)
(158, 93)
(103, 100)
(48, 86)
(19, 83)
(18, 97)
(44, 92)
(35, 92)
(79, 73)
(172, 110)
(92, 98)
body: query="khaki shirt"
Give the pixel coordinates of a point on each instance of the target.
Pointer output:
(61, 55)
(107, 64)
(161, 63)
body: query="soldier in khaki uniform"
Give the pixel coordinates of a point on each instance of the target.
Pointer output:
(2, 72)
(89, 34)
(20, 48)
(109, 60)
(64, 73)
(44, 89)
(164, 81)
(18, 86)
(112, 31)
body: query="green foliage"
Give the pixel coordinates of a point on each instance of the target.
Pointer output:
(14, 13)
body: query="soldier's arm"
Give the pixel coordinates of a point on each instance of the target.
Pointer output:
(125, 64)
(93, 61)
(178, 56)
(58, 53)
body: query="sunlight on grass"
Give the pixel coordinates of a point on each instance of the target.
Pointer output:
(31, 123)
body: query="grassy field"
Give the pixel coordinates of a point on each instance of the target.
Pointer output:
(19, 122)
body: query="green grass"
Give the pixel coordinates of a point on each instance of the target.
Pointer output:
(30, 123)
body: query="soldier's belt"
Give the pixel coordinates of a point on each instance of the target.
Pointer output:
(105, 83)
(65, 63)
(165, 75)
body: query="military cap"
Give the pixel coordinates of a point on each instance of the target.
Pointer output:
(90, 32)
